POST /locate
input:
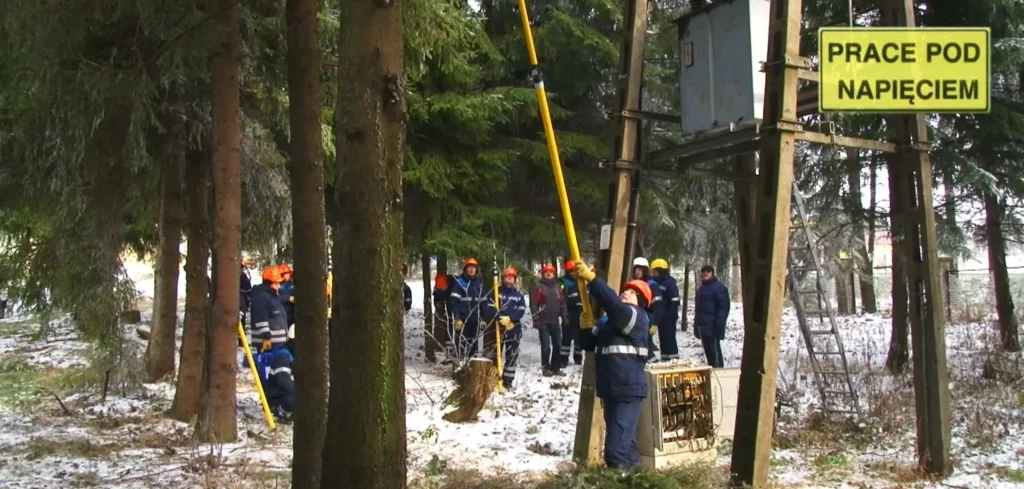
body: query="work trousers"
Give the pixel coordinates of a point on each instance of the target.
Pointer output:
(550, 340)
(712, 350)
(466, 340)
(510, 342)
(571, 342)
(621, 417)
(667, 338)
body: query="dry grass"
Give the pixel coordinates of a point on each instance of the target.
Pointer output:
(695, 476)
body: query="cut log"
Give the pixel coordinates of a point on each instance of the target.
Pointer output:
(474, 383)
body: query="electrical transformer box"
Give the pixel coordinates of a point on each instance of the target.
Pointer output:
(677, 424)
(722, 46)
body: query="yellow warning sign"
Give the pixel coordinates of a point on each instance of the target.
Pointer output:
(882, 69)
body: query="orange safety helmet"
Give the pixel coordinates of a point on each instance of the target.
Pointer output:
(272, 275)
(548, 268)
(284, 269)
(510, 272)
(570, 265)
(470, 261)
(641, 287)
(441, 281)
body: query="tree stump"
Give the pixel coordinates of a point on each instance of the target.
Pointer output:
(132, 316)
(474, 383)
(143, 331)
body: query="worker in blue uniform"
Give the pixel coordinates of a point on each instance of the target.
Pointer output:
(465, 294)
(269, 325)
(667, 312)
(287, 292)
(620, 356)
(279, 384)
(406, 291)
(642, 271)
(710, 313)
(574, 307)
(508, 316)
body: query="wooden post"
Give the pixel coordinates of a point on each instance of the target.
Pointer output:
(759, 367)
(590, 421)
(744, 194)
(927, 321)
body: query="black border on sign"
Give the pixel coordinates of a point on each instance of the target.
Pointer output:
(988, 69)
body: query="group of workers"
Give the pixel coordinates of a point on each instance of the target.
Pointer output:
(270, 307)
(622, 340)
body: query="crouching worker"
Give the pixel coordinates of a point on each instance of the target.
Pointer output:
(279, 386)
(509, 319)
(620, 355)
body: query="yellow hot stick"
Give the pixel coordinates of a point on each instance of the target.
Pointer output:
(497, 338)
(256, 378)
(556, 163)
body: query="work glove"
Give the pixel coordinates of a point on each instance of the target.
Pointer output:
(583, 272)
(459, 324)
(506, 322)
(653, 330)
(291, 298)
(265, 346)
(241, 317)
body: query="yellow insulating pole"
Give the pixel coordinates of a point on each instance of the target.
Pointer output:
(556, 163)
(256, 378)
(498, 328)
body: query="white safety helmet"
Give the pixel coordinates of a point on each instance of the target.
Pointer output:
(291, 332)
(641, 262)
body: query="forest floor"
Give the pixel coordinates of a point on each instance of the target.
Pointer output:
(57, 429)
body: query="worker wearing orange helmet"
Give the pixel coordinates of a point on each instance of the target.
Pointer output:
(548, 309)
(620, 355)
(287, 292)
(509, 319)
(269, 324)
(466, 293)
(571, 328)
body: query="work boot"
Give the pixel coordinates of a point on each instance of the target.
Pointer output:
(563, 363)
(548, 373)
(577, 360)
(558, 373)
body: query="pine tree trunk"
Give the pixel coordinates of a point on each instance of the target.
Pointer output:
(310, 242)
(365, 444)
(899, 342)
(217, 421)
(870, 296)
(1008, 327)
(863, 262)
(193, 336)
(161, 347)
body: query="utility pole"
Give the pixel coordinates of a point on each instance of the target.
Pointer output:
(590, 422)
(920, 251)
(755, 413)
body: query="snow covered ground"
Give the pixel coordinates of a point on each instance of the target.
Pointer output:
(125, 441)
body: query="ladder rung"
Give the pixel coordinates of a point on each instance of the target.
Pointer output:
(803, 269)
(828, 352)
(807, 291)
(821, 331)
(798, 248)
(833, 372)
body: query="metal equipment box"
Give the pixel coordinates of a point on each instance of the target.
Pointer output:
(677, 422)
(725, 389)
(722, 46)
